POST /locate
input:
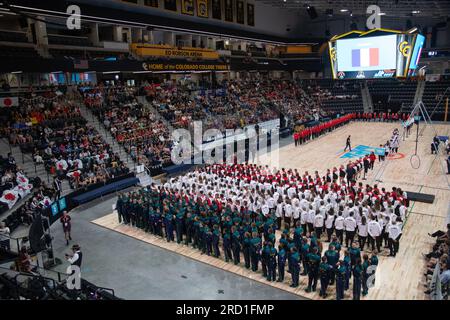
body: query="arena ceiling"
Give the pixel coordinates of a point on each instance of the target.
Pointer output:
(394, 8)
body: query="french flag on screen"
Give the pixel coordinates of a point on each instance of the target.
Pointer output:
(366, 57)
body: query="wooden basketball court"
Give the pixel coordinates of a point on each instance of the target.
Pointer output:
(396, 278)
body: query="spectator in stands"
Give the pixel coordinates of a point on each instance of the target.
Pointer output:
(57, 186)
(4, 237)
(24, 261)
(440, 254)
(448, 164)
(441, 235)
(445, 277)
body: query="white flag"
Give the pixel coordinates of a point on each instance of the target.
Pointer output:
(9, 102)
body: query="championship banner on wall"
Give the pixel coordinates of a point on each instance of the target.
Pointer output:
(250, 14)
(202, 8)
(170, 5)
(240, 15)
(216, 9)
(152, 3)
(187, 7)
(194, 66)
(9, 102)
(171, 52)
(229, 10)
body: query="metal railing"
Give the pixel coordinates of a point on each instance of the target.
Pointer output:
(52, 283)
(18, 243)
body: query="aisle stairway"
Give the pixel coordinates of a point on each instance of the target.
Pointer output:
(419, 91)
(24, 161)
(366, 98)
(31, 169)
(143, 101)
(92, 120)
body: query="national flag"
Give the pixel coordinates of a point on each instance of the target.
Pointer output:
(80, 64)
(9, 102)
(365, 57)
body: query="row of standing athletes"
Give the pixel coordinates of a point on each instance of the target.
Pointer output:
(306, 134)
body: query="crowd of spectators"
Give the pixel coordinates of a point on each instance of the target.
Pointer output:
(42, 197)
(14, 185)
(439, 255)
(56, 135)
(144, 137)
(231, 105)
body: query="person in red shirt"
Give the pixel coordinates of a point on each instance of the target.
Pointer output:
(372, 159)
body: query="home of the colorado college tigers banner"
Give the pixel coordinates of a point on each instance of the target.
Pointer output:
(202, 8)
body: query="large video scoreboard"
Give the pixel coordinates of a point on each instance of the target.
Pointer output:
(375, 54)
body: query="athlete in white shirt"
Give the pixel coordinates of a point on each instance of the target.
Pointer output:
(339, 226)
(318, 224)
(374, 230)
(350, 227)
(362, 233)
(394, 232)
(329, 224)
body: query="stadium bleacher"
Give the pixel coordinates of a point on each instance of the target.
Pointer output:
(18, 52)
(69, 40)
(392, 94)
(434, 96)
(13, 36)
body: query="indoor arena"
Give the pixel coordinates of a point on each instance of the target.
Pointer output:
(237, 150)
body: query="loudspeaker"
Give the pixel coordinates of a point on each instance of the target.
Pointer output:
(329, 12)
(409, 24)
(312, 12)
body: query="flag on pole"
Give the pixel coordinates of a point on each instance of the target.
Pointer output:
(9, 102)
(80, 64)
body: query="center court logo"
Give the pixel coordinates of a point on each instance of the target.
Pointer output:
(215, 147)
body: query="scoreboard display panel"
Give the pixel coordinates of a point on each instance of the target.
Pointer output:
(375, 54)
